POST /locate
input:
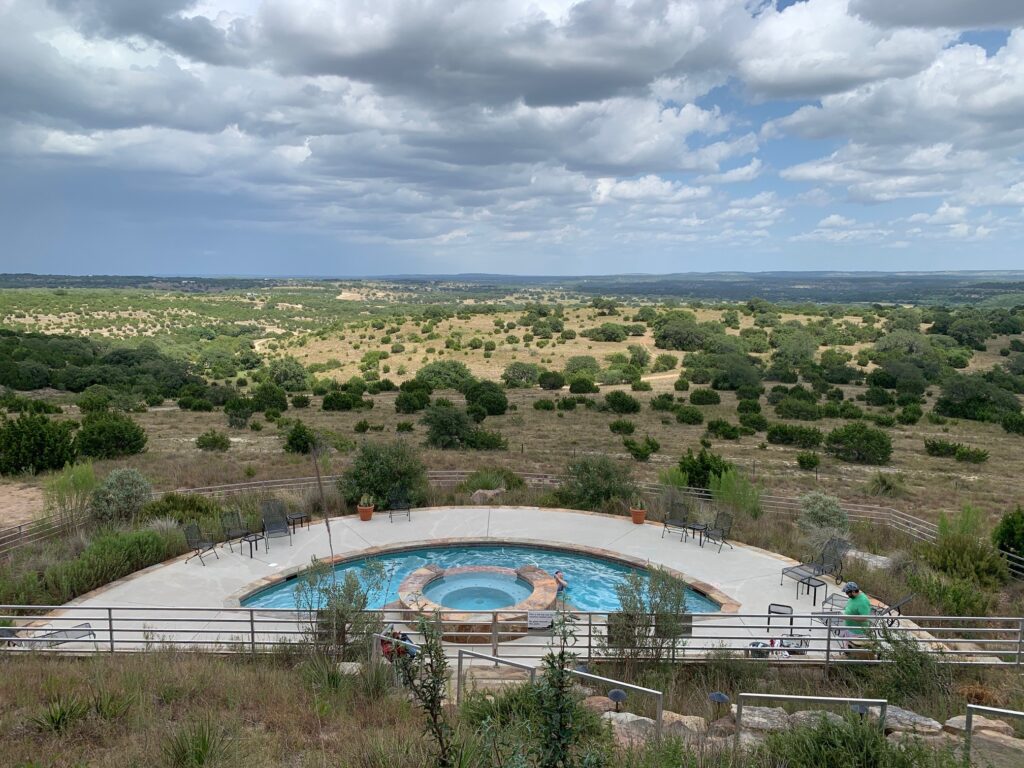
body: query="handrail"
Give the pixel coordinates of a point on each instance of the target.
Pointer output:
(969, 723)
(881, 703)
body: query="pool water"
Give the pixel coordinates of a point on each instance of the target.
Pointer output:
(477, 591)
(592, 580)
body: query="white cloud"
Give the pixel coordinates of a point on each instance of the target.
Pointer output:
(835, 220)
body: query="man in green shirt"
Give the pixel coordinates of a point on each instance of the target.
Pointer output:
(857, 606)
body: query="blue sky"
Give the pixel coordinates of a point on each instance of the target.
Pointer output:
(361, 137)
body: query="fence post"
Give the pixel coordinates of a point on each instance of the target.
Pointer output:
(110, 627)
(590, 638)
(828, 644)
(739, 723)
(494, 634)
(658, 717)
(458, 680)
(252, 630)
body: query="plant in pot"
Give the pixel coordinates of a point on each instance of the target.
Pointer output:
(638, 510)
(365, 507)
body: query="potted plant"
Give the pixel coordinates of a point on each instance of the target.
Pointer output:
(365, 507)
(638, 510)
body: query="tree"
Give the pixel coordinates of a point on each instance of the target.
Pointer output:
(289, 374)
(121, 496)
(446, 374)
(700, 468)
(448, 427)
(859, 443)
(109, 434)
(520, 375)
(35, 443)
(679, 330)
(212, 440)
(619, 402)
(489, 396)
(411, 401)
(300, 438)
(581, 365)
(638, 355)
(339, 400)
(239, 410)
(595, 482)
(268, 396)
(972, 397)
(1009, 532)
(380, 469)
(555, 380)
(342, 627)
(664, 362)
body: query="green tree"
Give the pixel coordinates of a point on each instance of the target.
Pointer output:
(300, 438)
(489, 396)
(1009, 533)
(35, 443)
(700, 468)
(446, 374)
(858, 443)
(520, 375)
(382, 469)
(109, 434)
(551, 380)
(121, 496)
(268, 396)
(289, 374)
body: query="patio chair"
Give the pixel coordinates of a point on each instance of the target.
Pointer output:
(198, 545)
(234, 528)
(828, 563)
(719, 530)
(677, 523)
(399, 505)
(891, 614)
(275, 524)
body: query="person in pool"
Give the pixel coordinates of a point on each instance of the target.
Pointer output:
(563, 583)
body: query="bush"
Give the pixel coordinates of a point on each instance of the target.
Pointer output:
(412, 401)
(446, 374)
(622, 427)
(859, 444)
(551, 380)
(689, 414)
(822, 518)
(544, 404)
(723, 430)
(877, 396)
(269, 396)
(404, 426)
(35, 443)
(109, 434)
(961, 553)
(733, 491)
(212, 440)
(808, 460)
(239, 410)
(748, 406)
(300, 401)
(184, 508)
(518, 375)
(595, 482)
(971, 455)
(491, 478)
(700, 468)
(449, 428)
(489, 396)
(641, 450)
(121, 496)
(663, 402)
(381, 469)
(582, 385)
(789, 434)
(910, 414)
(755, 421)
(620, 402)
(1009, 533)
(796, 408)
(641, 386)
(705, 397)
(681, 385)
(1014, 423)
(890, 484)
(300, 439)
(361, 427)
(937, 447)
(973, 397)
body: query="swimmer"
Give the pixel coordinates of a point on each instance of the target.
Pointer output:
(563, 583)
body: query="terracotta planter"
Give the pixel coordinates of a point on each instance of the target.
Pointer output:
(365, 513)
(638, 515)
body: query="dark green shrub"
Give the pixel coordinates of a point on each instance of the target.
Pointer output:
(937, 447)
(705, 397)
(808, 460)
(412, 401)
(491, 478)
(269, 396)
(689, 414)
(361, 427)
(641, 386)
(300, 439)
(789, 434)
(749, 391)
(35, 443)
(663, 402)
(380, 469)
(1014, 423)
(446, 374)
(881, 419)
(212, 440)
(199, 404)
(109, 434)
(723, 430)
(641, 450)
(544, 404)
(476, 412)
(971, 455)
(185, 508)
(1009, 533)
(300, 401)
(681, 385)
(755, 421)
(961, 553)
(859, 444)
(796, 408)
(595, 482)
(877, 396)
(489, 396)
(850, 411)
(551, 380)
(748, 406)
(404, 426)
(620, 402)
(910, 414)
(973, 397)
(239, 410)
(701, 467)
(484, 440)
(339, 400)
(566, 404)
(622, 427)
(518, 375)
(582, 385)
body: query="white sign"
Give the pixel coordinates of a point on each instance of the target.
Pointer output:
(539, 619)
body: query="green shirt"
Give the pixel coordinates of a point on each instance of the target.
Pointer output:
(857, 606)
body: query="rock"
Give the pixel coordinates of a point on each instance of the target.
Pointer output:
(721, 745)
(630, 729)
(484, 496)
(958, 725)
(763, 718)
(687, 727)
(994, 749)
(879, 562)
(941, 741)
(723, 726)
(350, 667)
(905, 721)
(599, 704)
(811, 717)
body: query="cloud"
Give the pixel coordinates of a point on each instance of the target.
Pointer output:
(835, 220)
(954, 14)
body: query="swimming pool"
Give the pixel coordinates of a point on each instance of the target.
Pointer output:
(592, 580)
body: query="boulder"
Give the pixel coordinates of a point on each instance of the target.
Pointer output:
(905, 721)
(350, 667)
(629, 728)
(687, 727)
(958, 725)
(484, 496)
(723, 726)
(810, 717)
(763, 718)
(599, 704)
(722, 745)
(994, 749)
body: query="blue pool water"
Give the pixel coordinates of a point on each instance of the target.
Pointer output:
(477, 591)
(592, 580)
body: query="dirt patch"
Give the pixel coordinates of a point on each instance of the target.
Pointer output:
(19, 503)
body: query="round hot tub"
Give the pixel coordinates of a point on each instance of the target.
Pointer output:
(478, 590)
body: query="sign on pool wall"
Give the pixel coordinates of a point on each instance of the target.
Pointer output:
(540, 619)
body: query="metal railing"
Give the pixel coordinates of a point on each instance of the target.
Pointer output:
(969, 723)
(882, 704)
(812, 639)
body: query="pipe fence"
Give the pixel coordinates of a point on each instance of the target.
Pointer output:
(969, 723)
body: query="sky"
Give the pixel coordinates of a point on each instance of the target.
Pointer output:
(369, 137)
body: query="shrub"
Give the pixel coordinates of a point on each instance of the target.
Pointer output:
(109, 434)
(971, 455)
(808, 460)
(789, 434)
(300, 401)
(622, 427)
(491, 478)
(595, 482)
(489, 396)
(689, 414)
(361, 427)
(681, 385)
(748, 406)
(890, 484)
(551, 380)
(723, 430)
(937, 447)
(544, 404)
(483, 440)
(755, 421)
(446, 374)
(581, 385)
(35, 443)
(701, 467)
(120, 497)
(412, 401)
(732, 490)
(381, 469)
(663, 402)
(1009, 532)
(877, 396)
(955, 597)
(620, 402)
(962, 553)
(269, 396)
(1014, 423)
(973, 397)
(641, 450)
(797, 408)
(910, 414)
(567, 403)
(339, 400)
(860, 444)
(641, 386)
(239, 410)
(705, 397)
(663, 363)
(520, 375)
(300, 439)
(822, 518)
(404, 426)
(184, 508)
(212, 440)
(449, 428)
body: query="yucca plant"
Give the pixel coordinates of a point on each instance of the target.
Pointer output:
(196, 745)
(60, 714)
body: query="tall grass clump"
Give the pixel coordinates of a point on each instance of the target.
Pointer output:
(492, 478)
(734, 491)
(60, 714)
(197, 745)
(66, 494)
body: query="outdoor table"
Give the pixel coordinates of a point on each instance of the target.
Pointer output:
(253, 538)
(810, 582)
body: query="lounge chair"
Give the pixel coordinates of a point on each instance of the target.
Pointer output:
(198, 545)
(234, 528)
(719, 530)
(275, 524)
(828, 563)
(399, 505)
(82, 631)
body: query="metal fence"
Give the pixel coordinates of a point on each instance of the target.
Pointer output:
(812, 638)
(969, 723)
(915, 527)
